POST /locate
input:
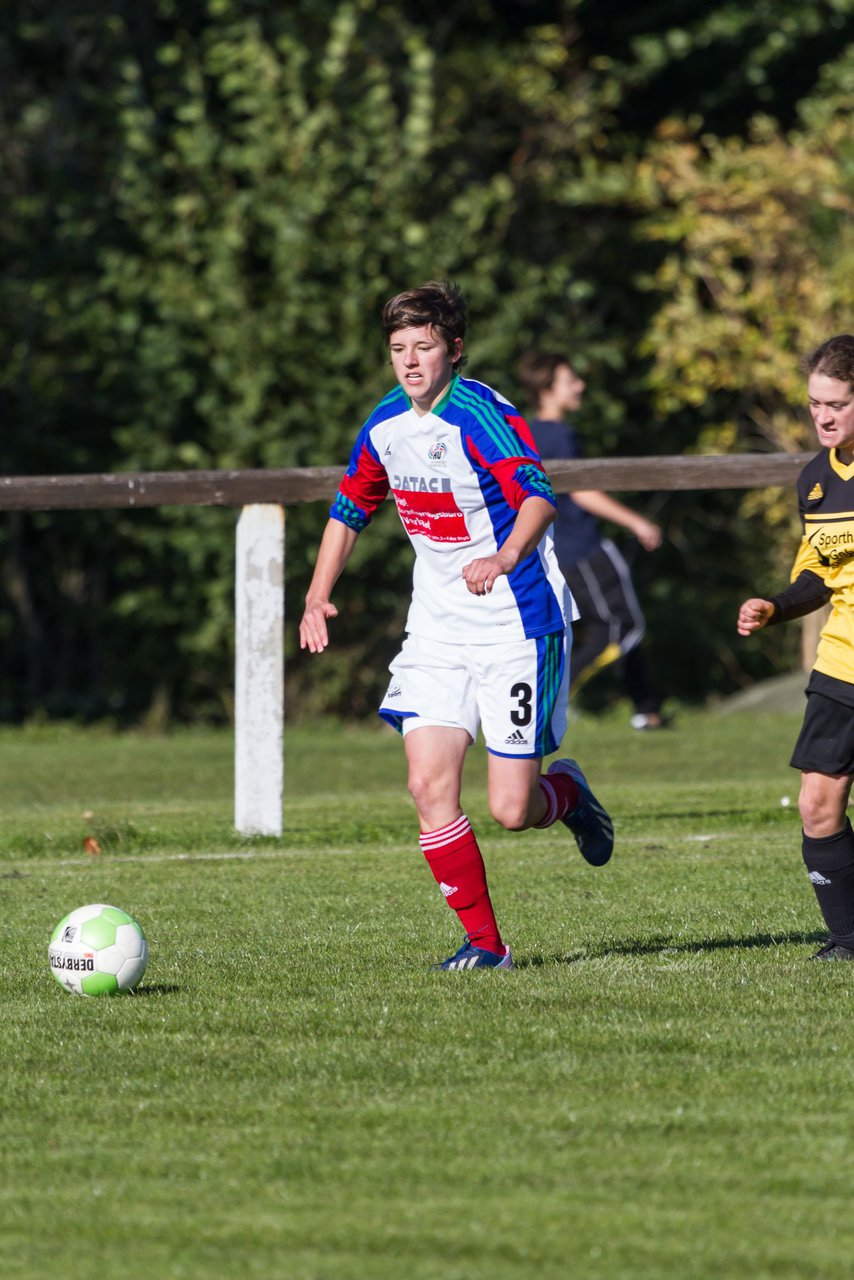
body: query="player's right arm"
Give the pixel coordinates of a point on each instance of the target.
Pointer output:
(805, 593)
(335, 549)
(754, 614)
(361, 491)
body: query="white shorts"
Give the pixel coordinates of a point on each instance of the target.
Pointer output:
(517, 691)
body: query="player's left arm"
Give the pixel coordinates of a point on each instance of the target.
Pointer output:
(532, 520)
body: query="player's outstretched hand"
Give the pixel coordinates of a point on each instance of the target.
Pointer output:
(753, 615)
(313, 634)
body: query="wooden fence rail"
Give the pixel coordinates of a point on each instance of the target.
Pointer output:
(313, 484)
(259, 577)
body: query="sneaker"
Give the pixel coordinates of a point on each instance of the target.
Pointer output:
(650, 721)
(471, 957)
(833, 951)
(588, 821)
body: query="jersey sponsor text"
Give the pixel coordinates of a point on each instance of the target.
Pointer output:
(422, 484)
(432, 515)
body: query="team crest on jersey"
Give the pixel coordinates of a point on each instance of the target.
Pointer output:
(437, 451)
(815, 493)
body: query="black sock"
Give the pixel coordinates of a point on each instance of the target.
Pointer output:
(830, 863)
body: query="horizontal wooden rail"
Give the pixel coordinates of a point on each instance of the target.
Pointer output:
(168, 488)
(312, 484)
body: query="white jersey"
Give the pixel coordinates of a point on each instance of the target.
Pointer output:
(459, 475)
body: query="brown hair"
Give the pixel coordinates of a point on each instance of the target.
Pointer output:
(439, 303)
(834, 358)
(537, 371)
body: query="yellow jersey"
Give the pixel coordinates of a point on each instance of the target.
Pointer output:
(826, 504)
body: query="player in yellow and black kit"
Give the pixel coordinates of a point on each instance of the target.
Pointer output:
(824, 572)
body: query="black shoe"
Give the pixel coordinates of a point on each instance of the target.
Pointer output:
(589, 823)
(833, 951)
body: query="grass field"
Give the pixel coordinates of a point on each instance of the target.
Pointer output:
(659, 1090)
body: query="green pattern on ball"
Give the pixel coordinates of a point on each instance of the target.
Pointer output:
(117, 916)
(99, 984)
(99, 932)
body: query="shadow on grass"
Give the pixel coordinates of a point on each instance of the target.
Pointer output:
(157, 989)
(665, 946)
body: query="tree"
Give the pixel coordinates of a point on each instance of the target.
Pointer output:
(203, 208)
(758, 269)
(760, 240)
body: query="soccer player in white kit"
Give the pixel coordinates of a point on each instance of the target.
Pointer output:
(487, 640)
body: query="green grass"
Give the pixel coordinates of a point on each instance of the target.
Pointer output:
(659, 1090)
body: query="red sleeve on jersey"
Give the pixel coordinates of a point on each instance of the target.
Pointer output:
(365, 484)
(518, 478)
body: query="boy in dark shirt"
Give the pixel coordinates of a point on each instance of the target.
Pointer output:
(612, 624)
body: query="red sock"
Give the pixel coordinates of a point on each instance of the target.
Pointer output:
(456, 862)
(561, 795)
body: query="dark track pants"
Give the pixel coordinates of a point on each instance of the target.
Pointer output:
(611, 625)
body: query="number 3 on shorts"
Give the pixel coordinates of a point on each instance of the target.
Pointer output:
(522, 713)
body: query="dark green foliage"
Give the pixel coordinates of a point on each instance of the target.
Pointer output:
(203, 207)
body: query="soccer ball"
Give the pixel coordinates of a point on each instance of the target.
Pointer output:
(97, 951)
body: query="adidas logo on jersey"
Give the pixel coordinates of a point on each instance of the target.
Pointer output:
(394, 692)
(516, 739)
(448, 889)
(815, 493)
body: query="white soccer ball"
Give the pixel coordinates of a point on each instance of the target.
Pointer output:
(97, 951)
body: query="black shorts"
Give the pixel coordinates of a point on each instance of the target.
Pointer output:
(826, 741)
